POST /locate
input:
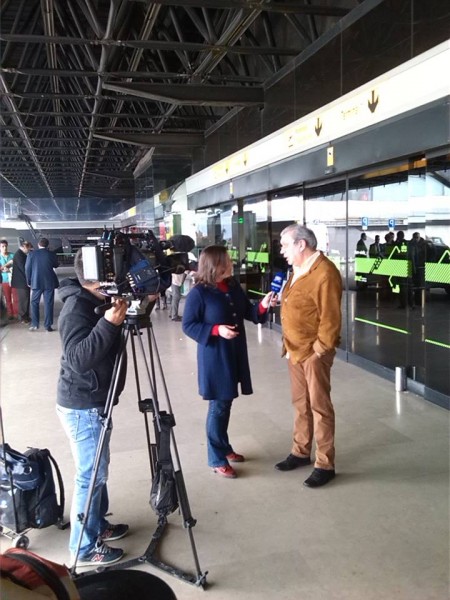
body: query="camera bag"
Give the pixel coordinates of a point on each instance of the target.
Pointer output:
(24, 470)
(42, 504)
(19, 475)
(27, 489)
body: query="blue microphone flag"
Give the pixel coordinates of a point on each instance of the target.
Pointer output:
(277, 283)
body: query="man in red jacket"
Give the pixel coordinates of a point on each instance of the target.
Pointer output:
(311, 322)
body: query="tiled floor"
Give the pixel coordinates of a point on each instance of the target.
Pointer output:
(379, 531)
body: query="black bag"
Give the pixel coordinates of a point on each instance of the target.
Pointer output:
(25, 471)
(163, 493)
(13, 508)
(22, 506)
(42, 504)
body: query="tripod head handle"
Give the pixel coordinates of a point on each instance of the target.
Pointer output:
(100, 310)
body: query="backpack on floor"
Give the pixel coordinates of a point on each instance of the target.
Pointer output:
(27, 489)
(42, 504)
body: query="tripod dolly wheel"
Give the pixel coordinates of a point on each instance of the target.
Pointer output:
(22, 541)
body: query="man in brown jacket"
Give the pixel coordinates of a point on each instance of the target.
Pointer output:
(311, 321)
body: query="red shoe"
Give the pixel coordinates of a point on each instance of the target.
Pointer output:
(226, 471)
(233, 457)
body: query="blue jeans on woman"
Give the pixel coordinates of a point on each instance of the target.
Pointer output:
(217, 432)
(83, 428)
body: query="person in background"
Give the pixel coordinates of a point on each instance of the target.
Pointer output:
(214, 316)
(387, 247)
(161, 301)
(177, 283)
(361, 248)
(19, 282)
(6, 263)
(375, 250)
(311, 323)
(41, 278)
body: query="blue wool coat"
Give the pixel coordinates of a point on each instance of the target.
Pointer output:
(222, 364)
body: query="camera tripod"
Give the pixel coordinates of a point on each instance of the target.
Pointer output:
(162, 451)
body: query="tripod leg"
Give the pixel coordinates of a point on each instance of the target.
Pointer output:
(159, 420)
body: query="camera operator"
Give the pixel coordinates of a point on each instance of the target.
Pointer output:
(90, 344)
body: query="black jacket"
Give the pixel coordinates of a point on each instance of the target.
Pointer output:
(90, 345)
(19, 278)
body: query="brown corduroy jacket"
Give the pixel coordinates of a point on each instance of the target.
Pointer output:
(311, 311)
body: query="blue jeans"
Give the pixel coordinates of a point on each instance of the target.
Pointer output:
(83, 428)
(217, 432)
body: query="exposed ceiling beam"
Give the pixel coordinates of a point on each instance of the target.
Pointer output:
(125, 74)
(266, 5)
(200, 95)
(156, 139)
(111, 175)
(171, 46)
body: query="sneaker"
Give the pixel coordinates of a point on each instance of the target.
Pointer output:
(101, 554)
(32, 328)
(49, 329)
(234, 457)
(114, 532)
(226, 471)
(176, 318)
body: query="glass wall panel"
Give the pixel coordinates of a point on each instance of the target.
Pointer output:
(254, 231)
(145, 203)
(399, 306)
(435, 204)
(378, 211)
(285, 209)
(217, 226)
(325, 214)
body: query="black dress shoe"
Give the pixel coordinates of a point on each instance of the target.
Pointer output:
(319, 477)
(292, 462)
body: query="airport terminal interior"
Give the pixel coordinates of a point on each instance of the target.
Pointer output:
(176, 125)
(379, 530)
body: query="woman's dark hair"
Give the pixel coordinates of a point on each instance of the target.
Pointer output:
(213, 260)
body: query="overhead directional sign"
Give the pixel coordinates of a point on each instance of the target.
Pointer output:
(385, 97)
(391, 224)
(365, 222)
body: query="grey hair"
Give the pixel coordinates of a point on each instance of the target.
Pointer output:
(78, 266)
(300, 232)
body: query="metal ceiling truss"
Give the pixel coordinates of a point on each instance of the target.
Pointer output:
(87, 86)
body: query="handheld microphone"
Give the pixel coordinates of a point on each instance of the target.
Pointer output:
(277, 283)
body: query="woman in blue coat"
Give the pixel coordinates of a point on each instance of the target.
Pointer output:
(214, 317)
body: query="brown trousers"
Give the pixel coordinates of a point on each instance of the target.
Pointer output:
(313, 410)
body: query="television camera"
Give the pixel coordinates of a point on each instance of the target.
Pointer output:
(136, 264)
